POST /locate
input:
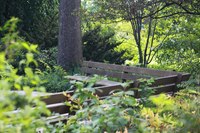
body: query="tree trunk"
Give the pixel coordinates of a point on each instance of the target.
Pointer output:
(69, 47)
(140, 55)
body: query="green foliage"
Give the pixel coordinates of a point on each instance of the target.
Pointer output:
(53, 79)
(46, 25)
(118, 112)
(181, 50)
(17, 51)
(174, 114)
(122, 112)
(146, 19)
(144, 88)
(47, 58)
(99, 44)
(111, 114)
(16, 110)
(39, 19)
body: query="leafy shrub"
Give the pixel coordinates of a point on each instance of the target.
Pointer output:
(122, 112)
(180, 51)
(111, 114)
(47, 58)
(16, 111)
(173, 114)
(53, 79)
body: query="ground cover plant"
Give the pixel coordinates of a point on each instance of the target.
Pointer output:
(121, 112)
(54, 80)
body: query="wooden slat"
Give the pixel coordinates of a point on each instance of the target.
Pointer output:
(113, 74)
(55, 98)
(58, 118)
(160, 89)
(103, 66)
(120, 68)
(148, 71)
(185, 76)
(165, 80)
(158, 81)
(128, 76)
(105, 82)
(164, 88)
(102, 72)
(60, 108)
(105, 90)
(79, 78)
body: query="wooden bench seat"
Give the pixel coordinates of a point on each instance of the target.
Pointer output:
(103, 82)
(103, 86)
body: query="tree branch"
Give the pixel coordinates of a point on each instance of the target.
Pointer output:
(152, 40)
(158, 46)
(169, 15)
(147, 41)
(185, 9)
(157, 11)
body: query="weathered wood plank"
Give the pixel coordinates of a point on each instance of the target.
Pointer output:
(103, 66)
(79, 78)
(105, 90)
(132, 69)
(103, 82)
(165, 88)
(148, 71)
(103, 72)
(60, 108)
(58, 118)
(113, 74)
(55, 97)
(185, 76)
(160, 89)
(165, 80)
(128, 76)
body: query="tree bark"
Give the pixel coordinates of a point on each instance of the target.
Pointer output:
(69, 42)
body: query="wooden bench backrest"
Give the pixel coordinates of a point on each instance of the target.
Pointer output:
(123, 72)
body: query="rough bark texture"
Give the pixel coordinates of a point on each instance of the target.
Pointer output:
(69, 47)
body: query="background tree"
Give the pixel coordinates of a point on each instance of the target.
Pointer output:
(181, 50)
(69, 47)
(38, 20)
(143, 16)
(100, 44)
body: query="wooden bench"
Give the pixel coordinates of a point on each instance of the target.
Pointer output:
(164, 81)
